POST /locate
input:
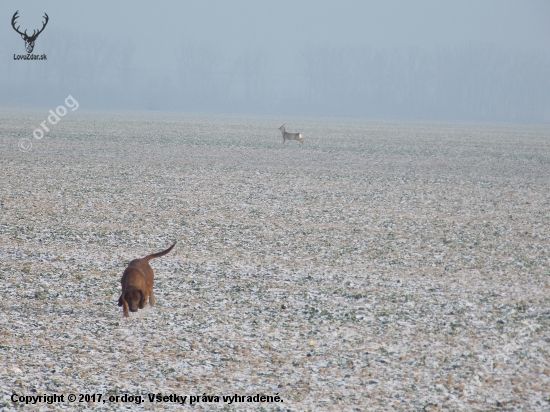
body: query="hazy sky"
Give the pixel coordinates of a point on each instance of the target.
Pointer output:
(472, 43)
(283, 26)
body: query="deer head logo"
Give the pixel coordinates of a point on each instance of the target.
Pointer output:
(29, 40)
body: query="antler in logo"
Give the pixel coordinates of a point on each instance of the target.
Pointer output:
(29, 40)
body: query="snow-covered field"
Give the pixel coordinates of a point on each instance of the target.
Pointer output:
(380, 267)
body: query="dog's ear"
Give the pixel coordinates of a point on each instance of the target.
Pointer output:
(120, 301)
(142, 300)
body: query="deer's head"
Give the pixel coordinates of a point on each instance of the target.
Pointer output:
(29, 40)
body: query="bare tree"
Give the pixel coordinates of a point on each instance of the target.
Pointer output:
(254, 65)
(127, 58)
(197, 64)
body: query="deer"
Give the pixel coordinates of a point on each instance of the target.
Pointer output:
(291, 136)
(29, 40)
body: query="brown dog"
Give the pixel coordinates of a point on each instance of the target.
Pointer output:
(137, 283)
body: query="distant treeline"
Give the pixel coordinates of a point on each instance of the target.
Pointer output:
(472, 82)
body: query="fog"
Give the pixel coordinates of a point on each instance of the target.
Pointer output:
(429, 60)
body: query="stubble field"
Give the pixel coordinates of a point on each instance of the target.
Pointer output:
(380, 267)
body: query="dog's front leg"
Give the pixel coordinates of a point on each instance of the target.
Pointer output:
(143, 300)
(125, 309)
(152, 298)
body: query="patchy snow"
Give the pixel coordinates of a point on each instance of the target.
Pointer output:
(381, 266)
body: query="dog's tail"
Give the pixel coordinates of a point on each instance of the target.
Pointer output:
(159, 254)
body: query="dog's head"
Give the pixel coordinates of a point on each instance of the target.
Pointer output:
(135, 299)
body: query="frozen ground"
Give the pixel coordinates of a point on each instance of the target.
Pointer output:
(379, 267)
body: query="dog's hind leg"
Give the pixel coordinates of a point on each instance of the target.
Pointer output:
(152, 298)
